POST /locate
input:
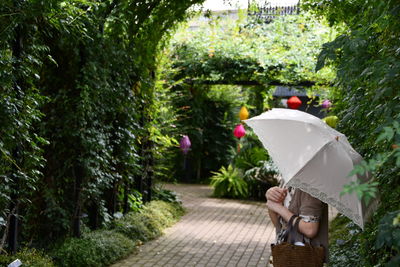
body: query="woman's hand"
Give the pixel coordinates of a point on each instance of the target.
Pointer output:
(275, 206)
(276, 194)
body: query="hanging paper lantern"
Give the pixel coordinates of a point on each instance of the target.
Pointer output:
(326, 104)
(294, 102)
(331, 121)
(185, 144)
(243, 113)
(239, 131)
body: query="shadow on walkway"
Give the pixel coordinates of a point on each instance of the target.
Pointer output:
(214, 232)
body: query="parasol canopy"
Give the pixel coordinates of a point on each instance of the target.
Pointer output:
(313, 157)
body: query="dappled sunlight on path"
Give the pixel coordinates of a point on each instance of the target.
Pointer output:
(214, 232)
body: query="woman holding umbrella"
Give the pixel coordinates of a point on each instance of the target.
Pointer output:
(283, 203)
(318, 161)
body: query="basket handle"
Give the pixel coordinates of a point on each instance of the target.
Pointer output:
(289, 229)
(295, 231)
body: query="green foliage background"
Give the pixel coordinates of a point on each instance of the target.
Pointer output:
(366, 55)
(77, 109)
(84, 123)
(217, 63)
(222, 48)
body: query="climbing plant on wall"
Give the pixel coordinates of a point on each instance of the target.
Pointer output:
(77, 107)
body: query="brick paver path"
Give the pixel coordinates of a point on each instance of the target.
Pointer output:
(214, 232)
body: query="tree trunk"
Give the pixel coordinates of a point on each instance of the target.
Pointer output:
(93, 214)
(76, 220)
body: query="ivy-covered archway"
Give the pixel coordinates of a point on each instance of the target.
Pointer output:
(225, 52)
(76, 104)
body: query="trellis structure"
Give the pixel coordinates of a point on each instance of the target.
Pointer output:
(268, 13)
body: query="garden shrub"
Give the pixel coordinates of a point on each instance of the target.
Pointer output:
(254, 168)
(389, 237)
(229, 182)
(165, 195)
(344, 243)
(133, 226)
(103, 247)
(28, 257)
(251, 157)
(169, 212)
(149, 223)
(155, 220)
(98, 248)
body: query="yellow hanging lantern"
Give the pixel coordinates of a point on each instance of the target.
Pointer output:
(331, 121)
(243, 113)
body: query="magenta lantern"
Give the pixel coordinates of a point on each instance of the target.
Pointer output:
(185, 144)
(239, 131)
(326, 104)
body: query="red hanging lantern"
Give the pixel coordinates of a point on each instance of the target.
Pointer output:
(239, 131)
(294, 102)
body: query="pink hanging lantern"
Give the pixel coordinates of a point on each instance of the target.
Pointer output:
(326, 104)
(185, 144)
(239, 131)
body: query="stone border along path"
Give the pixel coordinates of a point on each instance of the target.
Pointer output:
(214, 232)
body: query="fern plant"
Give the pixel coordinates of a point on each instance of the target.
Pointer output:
(251, 157)
(229, 182)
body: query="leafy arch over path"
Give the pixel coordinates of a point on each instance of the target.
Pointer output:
(209, 54)
(76, 96)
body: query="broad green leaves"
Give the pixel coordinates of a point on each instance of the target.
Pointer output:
(367, 97)
(229, 182)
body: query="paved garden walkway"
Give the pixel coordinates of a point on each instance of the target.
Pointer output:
(214, 232)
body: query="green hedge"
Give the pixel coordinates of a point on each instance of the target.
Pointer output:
(28, 257)
(104, 247)
(97, 248)
(149, 223)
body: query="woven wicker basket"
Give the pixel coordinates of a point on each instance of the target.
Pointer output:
(289, 255)
(286, 254)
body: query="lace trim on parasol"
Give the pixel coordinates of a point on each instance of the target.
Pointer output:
(324, 198)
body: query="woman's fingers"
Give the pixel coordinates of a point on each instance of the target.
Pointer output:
(276, 194)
